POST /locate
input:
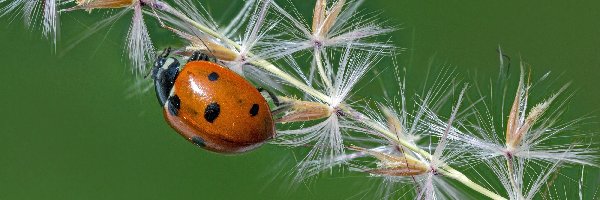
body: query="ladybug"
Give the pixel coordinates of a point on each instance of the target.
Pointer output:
(210, 105)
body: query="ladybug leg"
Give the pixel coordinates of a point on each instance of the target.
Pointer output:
(164, 73)
(273, 96)
(199, 56)
(281, 107)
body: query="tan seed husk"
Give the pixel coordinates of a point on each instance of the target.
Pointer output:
(331, 17)
(319, 14)
(394, 165)
(298, 110)
(101, 4)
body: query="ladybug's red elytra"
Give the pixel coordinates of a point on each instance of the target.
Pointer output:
(210, 105)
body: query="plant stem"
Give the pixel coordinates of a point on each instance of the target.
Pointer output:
(268, 66)
(511, 176)
(320, 68)
(456, 175)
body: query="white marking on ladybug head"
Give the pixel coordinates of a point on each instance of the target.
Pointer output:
(167, 63)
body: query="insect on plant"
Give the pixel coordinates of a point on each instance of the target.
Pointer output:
(435, 145)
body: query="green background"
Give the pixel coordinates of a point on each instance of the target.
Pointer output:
(69, 129)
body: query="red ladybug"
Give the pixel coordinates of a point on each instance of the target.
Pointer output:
(210, 105)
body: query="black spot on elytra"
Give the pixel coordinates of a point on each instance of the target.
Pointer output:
(254, 110)
(198, 141)
(212, 112)
(213, 76)
(174, 105)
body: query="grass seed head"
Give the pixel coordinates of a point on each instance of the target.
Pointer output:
(89, 5)
(298, 110)
(395, 165)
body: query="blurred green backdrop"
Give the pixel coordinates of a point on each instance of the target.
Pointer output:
(69, 131)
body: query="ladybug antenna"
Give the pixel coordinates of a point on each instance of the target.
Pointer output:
(205, 45)
(167, 51)
(150, 71)
(152, 6)
(207, 48)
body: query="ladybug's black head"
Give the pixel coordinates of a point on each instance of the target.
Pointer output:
(160, 61)
(164, 73)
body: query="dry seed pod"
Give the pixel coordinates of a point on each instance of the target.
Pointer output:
(319, 14)
(394, 165)
(398, 171)
(298, 110)
(518, 123)
(324, 19)
(513, 124)
(93, 4)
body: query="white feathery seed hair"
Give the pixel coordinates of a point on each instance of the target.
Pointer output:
(251, 43)
(526, 178)
(407, 121)
(33, 11)
(327, 136)
(251, 46)
(537, 128)
(431, 184)
(341, 23)
(523, 167)
(425, 186)
(139, 45)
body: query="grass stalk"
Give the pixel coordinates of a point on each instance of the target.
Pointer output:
(320, 68)
(357, 116)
